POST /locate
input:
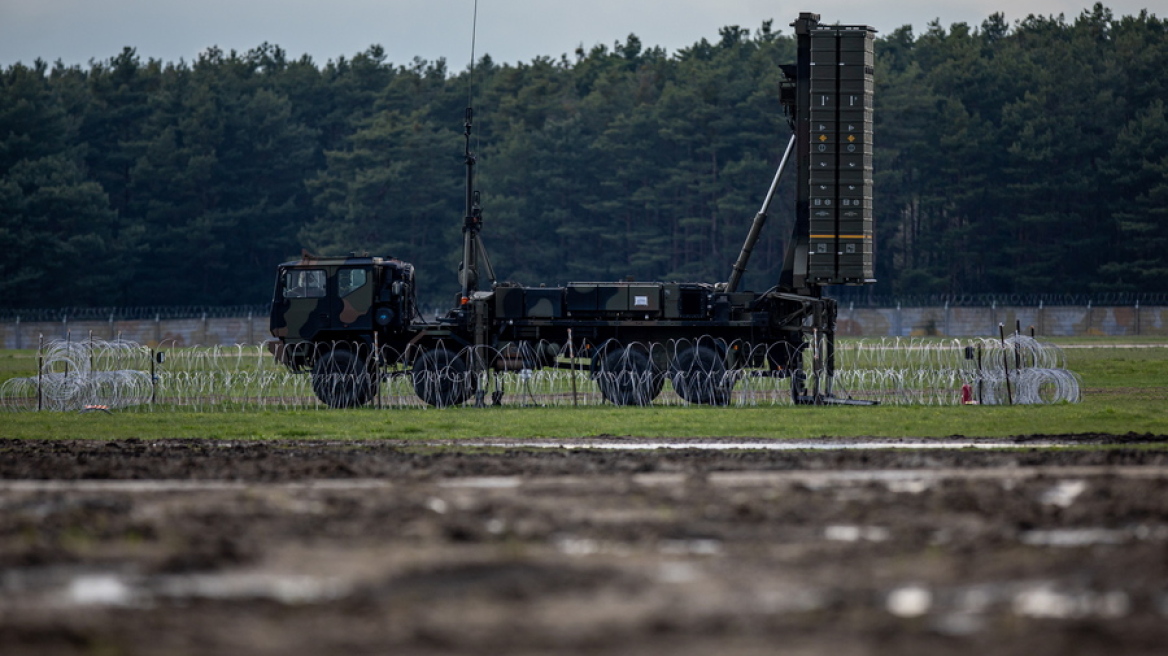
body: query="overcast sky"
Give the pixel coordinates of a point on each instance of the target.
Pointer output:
(76, 31)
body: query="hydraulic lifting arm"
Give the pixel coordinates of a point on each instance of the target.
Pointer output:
(759, 221)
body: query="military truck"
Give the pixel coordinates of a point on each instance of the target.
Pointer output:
(351, 321)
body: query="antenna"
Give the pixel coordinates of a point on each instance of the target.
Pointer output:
(474, 26)
(472, 249)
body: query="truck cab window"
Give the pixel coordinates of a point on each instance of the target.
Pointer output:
(304, 283)
(350, 280)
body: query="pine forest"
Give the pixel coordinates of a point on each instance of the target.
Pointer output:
(1029, 157)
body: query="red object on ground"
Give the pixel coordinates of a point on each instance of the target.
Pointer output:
(967, 395)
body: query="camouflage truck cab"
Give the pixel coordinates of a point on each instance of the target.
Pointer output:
(339, 315)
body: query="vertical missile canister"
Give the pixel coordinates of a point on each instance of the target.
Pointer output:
(834, 112)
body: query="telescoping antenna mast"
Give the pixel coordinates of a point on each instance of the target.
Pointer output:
(472, 225)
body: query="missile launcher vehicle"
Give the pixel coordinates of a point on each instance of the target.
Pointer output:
(349, 322)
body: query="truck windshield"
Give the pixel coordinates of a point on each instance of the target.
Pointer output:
(304, 283)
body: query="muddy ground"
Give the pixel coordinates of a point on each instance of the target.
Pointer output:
(290, 548)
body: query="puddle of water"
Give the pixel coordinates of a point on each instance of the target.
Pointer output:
(825, 480)
(1073, 537)
(909, 601)
(964, 611)
(483, 482)
(653, 479)
(1080, 537)
(848, 533)
(578, 546)
(56, 588)
(286, 589)
(572, 546)
(1064, 493)
(696, 547)
(99, 590)
(282, 588)
(774, 445)
(1046, 602)
(909, 487)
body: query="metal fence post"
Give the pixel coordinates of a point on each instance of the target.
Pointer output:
(153, 379)
(572, 360)
(40, 372)
(1006, 362)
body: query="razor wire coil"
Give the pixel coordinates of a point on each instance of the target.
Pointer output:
(76, 375)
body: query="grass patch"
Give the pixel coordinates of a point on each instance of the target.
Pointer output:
(1115, 416)
(1122, 368)
(17, 363)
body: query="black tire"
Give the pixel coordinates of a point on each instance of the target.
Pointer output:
(441, 378)
(626, 376)
(340, 379)
(699, 376)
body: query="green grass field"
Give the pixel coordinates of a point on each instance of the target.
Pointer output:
(1125, 390)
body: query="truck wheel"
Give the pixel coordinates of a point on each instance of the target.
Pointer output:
(627, 377)
(699, 376)
(343, 380)
(441, 378)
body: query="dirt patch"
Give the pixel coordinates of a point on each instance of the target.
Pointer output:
(206, 547)
(283, 461)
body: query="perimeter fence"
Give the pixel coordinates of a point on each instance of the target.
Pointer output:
(98, 374)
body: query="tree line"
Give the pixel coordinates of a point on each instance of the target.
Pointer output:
(1010, 158)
